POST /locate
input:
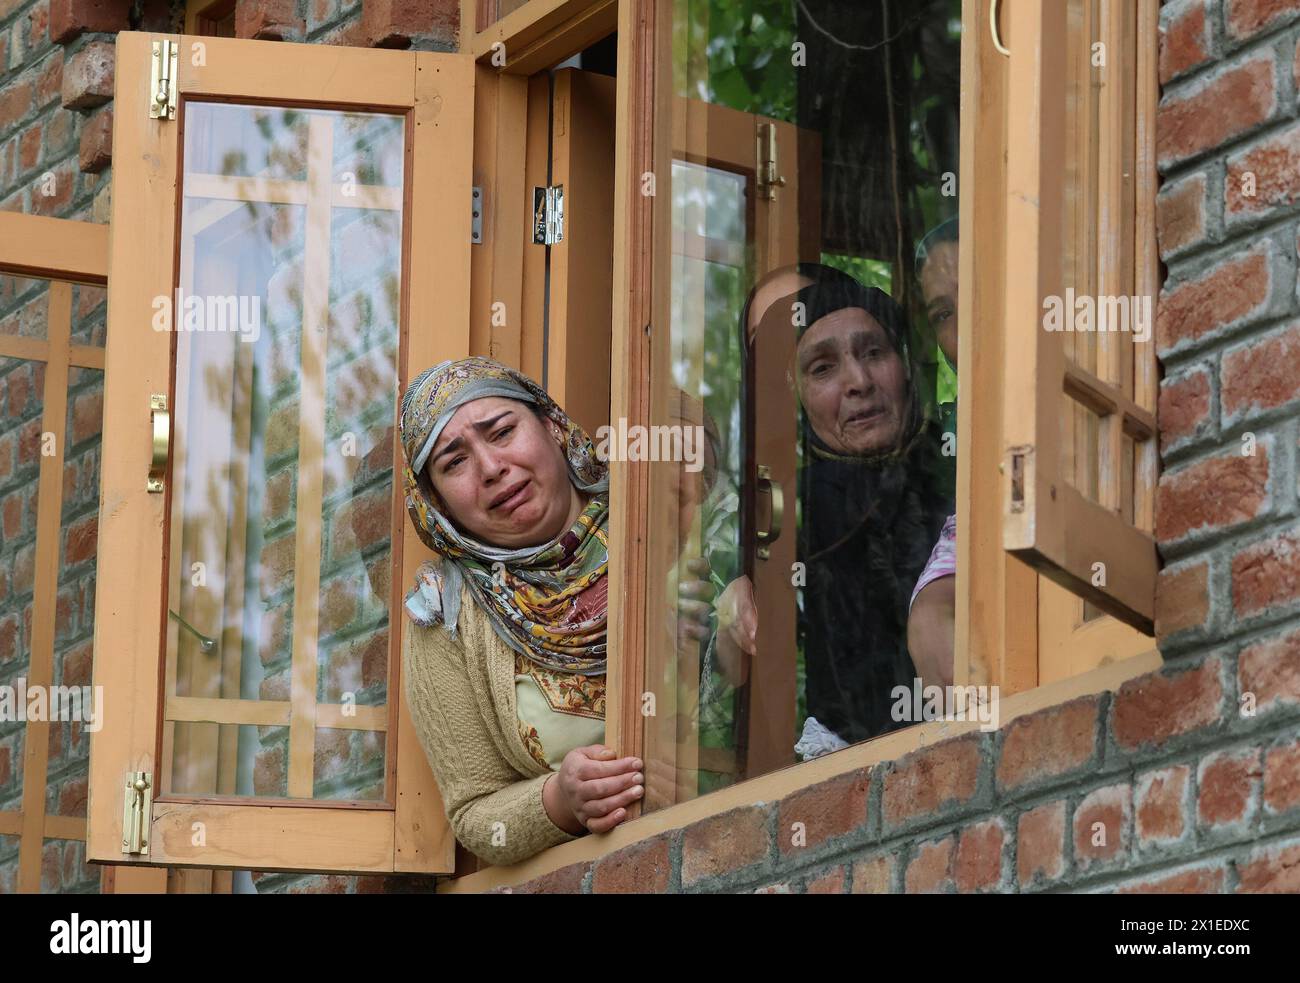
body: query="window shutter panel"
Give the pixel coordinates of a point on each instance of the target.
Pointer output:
(1079, 430)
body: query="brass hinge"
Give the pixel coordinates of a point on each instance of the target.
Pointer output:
(768, 170)
(162, 80)
(136, 812)
(548, 215)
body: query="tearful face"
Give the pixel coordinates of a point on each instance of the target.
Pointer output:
(499, 469)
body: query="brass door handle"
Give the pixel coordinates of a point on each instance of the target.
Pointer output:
(160, 424)
(773, 532)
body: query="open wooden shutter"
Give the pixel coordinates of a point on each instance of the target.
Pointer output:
(254, 716)
(1079, 432)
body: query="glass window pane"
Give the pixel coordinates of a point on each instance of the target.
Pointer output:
(811, 479)
(278, 649)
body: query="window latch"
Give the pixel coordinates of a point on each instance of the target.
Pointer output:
(136, 812)
(162, 80)
(548, 215)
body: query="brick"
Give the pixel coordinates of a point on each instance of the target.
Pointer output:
(1184, 39)
(828, 809)
(1213, 495)
(1263, 180)
(1221, 298)
(829, 882)
(72, 798)
(29, 147)
(1199, 880)
(874, 875)
(1261, 375)
(1269, 672)
(1266, 575)
(1247, 18)
(49, 84)
(15, 103)
(566, 880)
(396, 23)
(978, 864)
(1180, 215)
(1101, 826)
(69, 18)
(1188, 125)
(338, 605)
(1040, 838)
(1048, 744)
(1270, 870)
(1161, 806)
(87, 415)
(96, 148)
(278, 496)
(1184, 408)
(81, 541)
(362, 523)
(8, 638)
(1182, 599)
(269, 772)
(725, 843)
(1228, 784)
(930, 871)
(330, 754)
(52, 192)
(88, 76)
(269, 20)
(60, 130)
(77, 666)
(1154, 708)
(277, 566)
(1282, 778)
(931, 779)
(38, 23)
(641, 868)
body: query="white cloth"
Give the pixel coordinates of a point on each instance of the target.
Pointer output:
(816, 740)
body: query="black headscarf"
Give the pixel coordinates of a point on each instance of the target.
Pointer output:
(868, 525)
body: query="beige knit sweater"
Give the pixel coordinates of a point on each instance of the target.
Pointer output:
(462, 698)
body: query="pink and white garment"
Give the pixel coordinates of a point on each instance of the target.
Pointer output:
(943, 558)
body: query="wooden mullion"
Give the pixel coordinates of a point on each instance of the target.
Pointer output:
(311, 458)
(1146, 273)
(636, 134)
(49, 512)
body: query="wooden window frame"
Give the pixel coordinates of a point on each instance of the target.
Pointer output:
(63, 252)
(997, 594)
(411, 834)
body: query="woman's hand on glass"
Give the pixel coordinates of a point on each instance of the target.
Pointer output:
(695, 604)
(593, 789)
(737, 630)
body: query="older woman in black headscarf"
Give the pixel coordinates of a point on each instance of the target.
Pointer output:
(871, 487)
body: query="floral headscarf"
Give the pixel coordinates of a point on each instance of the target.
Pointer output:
(533, 594)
